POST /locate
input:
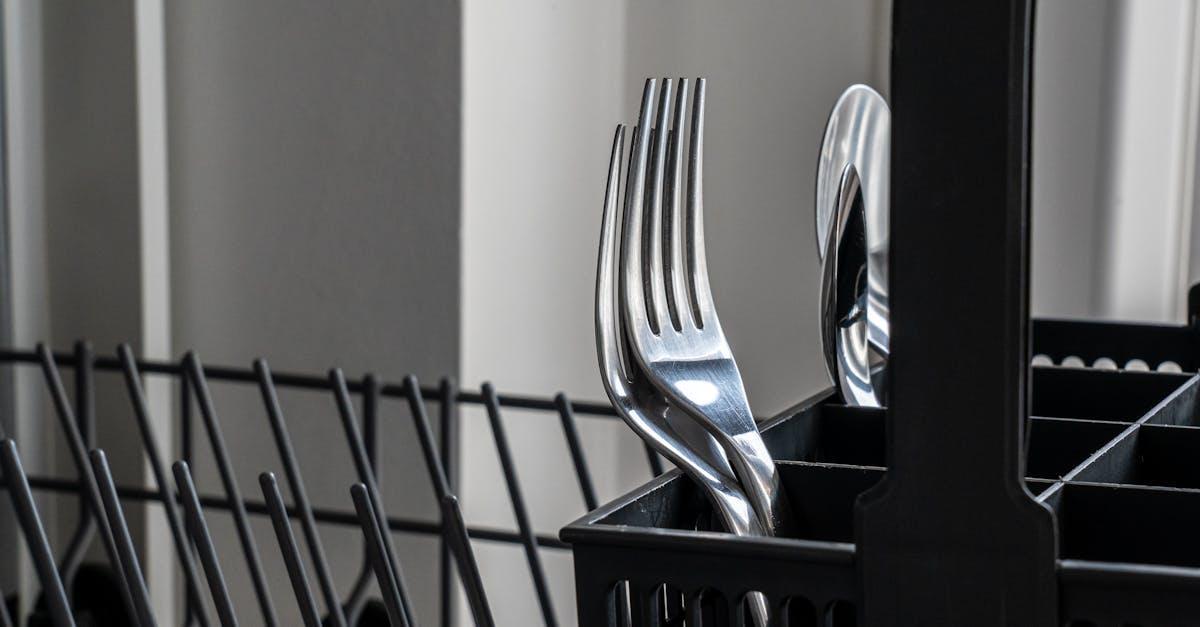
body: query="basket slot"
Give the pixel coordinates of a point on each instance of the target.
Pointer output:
(850, 435)
(1101, 395)
(1161, 456)
(1111, 463)
(823, 496)
(1057, 446)
(1139, 525)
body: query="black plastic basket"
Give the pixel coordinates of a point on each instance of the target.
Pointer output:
(1112, 452)
(989, 493)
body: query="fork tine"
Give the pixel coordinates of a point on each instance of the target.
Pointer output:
(631, 275)
(702, 302)
(607, 306)
(676, 282)
(652, 234)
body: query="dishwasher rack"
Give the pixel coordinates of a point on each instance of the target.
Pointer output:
(77, 420)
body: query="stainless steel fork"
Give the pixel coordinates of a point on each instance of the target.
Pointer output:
(673, 433)
(644, 409)
(674, 333)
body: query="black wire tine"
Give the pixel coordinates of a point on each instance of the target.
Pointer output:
(437, 477)
(185, 451)
(341, 395)
(249, 549)
(448, 422)
(35, 534)
(368, 520)
(429, 449)
(291, 553)
(131, 570)
(204, 545)
(85, 419)
(87, 478)
(287, 454)
(186, 441)
(357, 599)
(656, 467)
(468, 568)
(137, 398)
(577, 458)
(518, 503)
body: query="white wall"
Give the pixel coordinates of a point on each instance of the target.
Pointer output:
(26, 246)
(543, 90)
(1114, 158)
(314, 176)
(1074, 57)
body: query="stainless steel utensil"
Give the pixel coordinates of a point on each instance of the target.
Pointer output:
(856, 343)
(644, 409)
(844, 297)
(673, 433)
(672, 324)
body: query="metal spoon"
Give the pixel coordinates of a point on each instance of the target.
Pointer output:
(855, 333)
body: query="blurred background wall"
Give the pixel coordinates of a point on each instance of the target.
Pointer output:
(416, 187)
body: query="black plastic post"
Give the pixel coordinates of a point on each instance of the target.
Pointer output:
(951, 536)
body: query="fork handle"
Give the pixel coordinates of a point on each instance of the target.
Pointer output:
(759, 477)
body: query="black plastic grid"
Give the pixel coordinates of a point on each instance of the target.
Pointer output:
(1115, 454)
(77, 421)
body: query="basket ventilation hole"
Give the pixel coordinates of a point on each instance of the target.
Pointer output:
(1104, 363)
(1169, 366)
(669, 602)
(745, 611)
(1042, 360)
(710, 607)
(1073, 362)
(840, 614)
(1137, 365)
(618, 605)
(799, 612)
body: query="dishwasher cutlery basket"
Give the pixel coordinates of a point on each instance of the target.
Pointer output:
(989, 492)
